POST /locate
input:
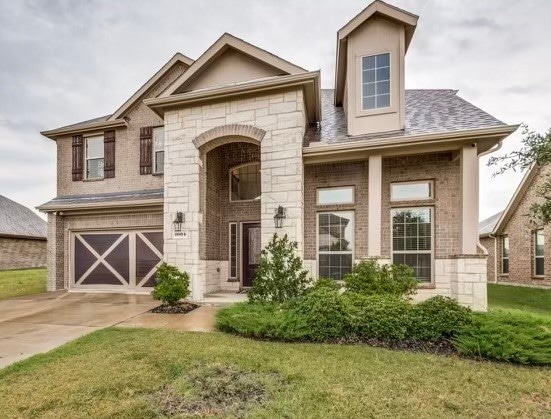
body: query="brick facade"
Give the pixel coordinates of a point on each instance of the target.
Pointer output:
(21, 253)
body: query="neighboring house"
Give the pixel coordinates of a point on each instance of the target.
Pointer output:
(518, 248)
(22, 237)
(202, 163)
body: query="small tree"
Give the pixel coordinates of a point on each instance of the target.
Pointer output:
(535, 150)
(172, 285)
(280, 275)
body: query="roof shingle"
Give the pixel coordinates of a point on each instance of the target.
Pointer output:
(19, 221)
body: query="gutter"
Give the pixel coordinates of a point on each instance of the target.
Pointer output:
(101, 205)
(58, 132)
(21, 237)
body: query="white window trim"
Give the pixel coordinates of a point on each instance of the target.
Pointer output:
(432, 241)
(230, 251)
(230, 178)
(353, 241)
(505, 257)
(155, 151)
(352, 202)
(538, 257)
(96, 158)
(414, 182)
(389, 83)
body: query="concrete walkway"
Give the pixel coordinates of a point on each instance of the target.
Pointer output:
(38, 323)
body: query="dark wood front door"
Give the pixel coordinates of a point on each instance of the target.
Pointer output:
(251, 252)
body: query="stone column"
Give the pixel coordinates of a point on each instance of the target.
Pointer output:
(375, 204)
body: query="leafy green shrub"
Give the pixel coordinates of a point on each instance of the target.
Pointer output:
(438, 317)
(372, 278)
(377, 316)
(172, 285)
(515, 337)
(280, 275)
(261, 321)
(325, 283)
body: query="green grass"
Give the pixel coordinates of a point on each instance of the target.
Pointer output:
(129, 373)
(531, 300)
(22, 282)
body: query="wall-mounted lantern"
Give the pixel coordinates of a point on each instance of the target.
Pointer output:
(279, 216)
(178, 221)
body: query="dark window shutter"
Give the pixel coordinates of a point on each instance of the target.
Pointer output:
(78, 157)
(146, 150)
(109, 153)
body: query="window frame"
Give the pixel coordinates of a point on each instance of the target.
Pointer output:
(535, 255)
(86, 158)
(351, 187)
(432, 240)
(390, 104)
(503, 257)
(430, 182)
(155, 151)
(230, 225)
(230, 183)
(353, 240)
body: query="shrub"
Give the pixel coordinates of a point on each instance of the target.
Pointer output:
(515, 337)
(370, 277)
(172, 285)
(325, 283)
(438, 317)
(280, 275)
(252, 320)
(377, 316)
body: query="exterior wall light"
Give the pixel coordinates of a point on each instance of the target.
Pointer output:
(279, 216)
(178, 221)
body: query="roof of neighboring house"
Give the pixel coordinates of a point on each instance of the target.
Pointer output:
(19, 221)
(106, 199)
(428, 111)
(486, 227)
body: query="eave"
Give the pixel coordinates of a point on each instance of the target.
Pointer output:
(120, 206)
(93, 126)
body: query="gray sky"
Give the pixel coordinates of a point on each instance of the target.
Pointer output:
(67, 61)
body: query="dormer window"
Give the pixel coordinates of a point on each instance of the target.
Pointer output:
(376, 81)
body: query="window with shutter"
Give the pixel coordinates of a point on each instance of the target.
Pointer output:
(78, 157)
(146, 150)
(109, 152)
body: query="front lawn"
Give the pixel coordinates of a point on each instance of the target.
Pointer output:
(22, 282)
(151, 373)
(508, 297)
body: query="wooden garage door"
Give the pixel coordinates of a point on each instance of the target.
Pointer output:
(123, 259)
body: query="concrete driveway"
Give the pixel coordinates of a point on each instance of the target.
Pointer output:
(38, 323)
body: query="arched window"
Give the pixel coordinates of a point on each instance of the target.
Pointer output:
(245, 182)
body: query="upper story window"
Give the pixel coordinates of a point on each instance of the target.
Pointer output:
(376, 81)
(159, 149)
(410, 191)
(505, 255)
(94, 157)
(328, 196)
(539, 249)
(245, 182)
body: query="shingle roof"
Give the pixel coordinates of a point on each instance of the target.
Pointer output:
(427, 111)
(487, 226)
(79, 200)
(17, 220)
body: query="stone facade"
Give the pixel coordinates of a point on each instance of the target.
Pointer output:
(21, 253)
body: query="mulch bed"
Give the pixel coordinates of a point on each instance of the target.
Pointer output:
(440, 347)
(181, 308)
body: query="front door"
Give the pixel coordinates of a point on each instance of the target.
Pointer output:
(250, 242)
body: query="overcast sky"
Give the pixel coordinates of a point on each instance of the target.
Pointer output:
(67, 61)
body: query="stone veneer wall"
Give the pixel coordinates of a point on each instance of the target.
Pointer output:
(281, 118)
(20, 253)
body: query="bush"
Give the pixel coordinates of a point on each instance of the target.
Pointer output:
(377, 316)
(372, 278)
(172, 285)
(280, 275)
(437, 318)
(515, 337)
(324, 283)
(261, 321)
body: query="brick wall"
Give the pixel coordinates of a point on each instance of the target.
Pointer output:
(488, 244)
(18, 253)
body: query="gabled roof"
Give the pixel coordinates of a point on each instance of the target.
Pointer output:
(19, 221)
(376, 8)
(486, 227)
(219, 47)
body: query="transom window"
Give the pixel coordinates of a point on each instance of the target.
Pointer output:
(412, 238)
(376, 81)
(335, 244)
(245, 182)
(539, 250)
(159, 149)
(94, 157)
(328, 196)
(505, 255)
(404, 191)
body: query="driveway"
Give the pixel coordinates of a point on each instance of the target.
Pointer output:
(38, 323)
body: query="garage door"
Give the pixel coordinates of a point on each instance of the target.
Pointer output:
(116, 259)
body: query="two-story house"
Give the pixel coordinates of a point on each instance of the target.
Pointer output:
(210, 158)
